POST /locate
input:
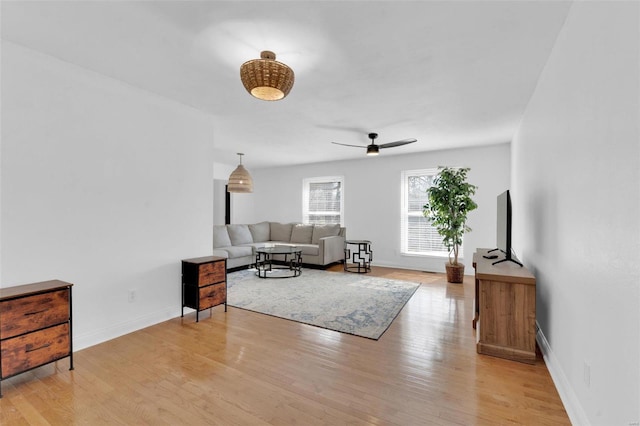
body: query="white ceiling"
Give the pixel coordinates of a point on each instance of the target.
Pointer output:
(449, 73)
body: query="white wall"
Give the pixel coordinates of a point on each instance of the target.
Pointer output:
(576, 196)
(219, 195)
(103, 185)
(222, 171)
(372, 193)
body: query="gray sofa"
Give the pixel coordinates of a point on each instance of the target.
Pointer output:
(321, 244)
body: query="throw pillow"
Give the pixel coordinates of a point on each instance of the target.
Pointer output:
(302, 234)
(281, 231)
(239, 234)
(321, 231)
(260, 232)
(220, 236)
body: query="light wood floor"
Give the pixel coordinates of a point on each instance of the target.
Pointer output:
(244, 368)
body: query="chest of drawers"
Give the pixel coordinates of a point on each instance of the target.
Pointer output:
(204, 283)
(35, 326)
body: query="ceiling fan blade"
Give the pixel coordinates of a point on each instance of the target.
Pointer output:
(346, 144)
(397, 143)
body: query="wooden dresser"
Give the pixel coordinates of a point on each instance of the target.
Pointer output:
(504, 309)
(35, 326)
(204, 283)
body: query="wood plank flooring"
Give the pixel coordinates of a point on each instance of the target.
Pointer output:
(244, 368)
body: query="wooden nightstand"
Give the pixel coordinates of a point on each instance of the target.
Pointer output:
(204, 283)
(35, 326)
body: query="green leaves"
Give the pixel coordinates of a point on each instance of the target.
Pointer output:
(448, 205)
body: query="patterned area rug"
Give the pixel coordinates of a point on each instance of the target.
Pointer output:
(356, 304)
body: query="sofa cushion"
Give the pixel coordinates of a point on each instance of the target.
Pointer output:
(321, 231)
(220, 236)
(302, 234)
(260, 232)
(309, 249)
(281, 231)
(255, 246)
(239, 234)
(239, 251)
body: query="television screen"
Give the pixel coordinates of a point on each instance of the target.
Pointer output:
(503, 228)
(503, 225)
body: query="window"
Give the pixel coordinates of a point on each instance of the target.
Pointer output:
(418, 236)
(322, 200)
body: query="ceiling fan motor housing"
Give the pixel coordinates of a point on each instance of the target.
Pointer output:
(373, 149)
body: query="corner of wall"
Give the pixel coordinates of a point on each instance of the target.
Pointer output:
(576, 413)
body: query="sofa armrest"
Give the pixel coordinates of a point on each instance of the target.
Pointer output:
(220, 253)
(331, 249)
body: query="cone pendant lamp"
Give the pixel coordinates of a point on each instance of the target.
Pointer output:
(240, 180)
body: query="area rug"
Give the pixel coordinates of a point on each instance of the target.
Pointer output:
(357, 304)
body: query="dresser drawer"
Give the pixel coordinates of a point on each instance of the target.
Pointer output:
(212, 295)
(24, 314)
(211, 273)
(34, 349)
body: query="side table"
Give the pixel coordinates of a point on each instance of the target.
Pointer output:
(204, 283)
(35, 326)
(359, 258)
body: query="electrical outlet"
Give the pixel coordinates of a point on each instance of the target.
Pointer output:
(132, 296)
(586, 374)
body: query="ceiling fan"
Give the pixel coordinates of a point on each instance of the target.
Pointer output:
(373, 149)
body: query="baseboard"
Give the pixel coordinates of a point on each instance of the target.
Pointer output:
(468, 270)
(409, 268)
(85, 340)
(572, 405)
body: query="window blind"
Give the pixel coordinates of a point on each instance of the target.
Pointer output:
(322, 200)
(418, 237)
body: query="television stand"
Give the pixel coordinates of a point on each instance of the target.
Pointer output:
(504, 313)
(508, 259)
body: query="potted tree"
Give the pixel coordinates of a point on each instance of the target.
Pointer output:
(449, 201)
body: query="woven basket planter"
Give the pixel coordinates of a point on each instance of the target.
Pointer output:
(455, 273)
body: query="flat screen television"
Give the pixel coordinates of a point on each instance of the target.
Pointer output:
(503, 228)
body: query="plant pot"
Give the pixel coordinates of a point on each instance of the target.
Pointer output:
(455, 273)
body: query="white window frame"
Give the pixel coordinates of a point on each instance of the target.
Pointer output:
(405, 214)
(305, 196)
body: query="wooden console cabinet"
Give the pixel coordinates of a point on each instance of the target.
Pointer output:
(204, 283)
(35, 326)
(504, 309)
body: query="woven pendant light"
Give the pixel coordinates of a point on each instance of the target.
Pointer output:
(240, 180)
(266, 78)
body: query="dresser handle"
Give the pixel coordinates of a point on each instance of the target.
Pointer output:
(35, 313)
(46, 345)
